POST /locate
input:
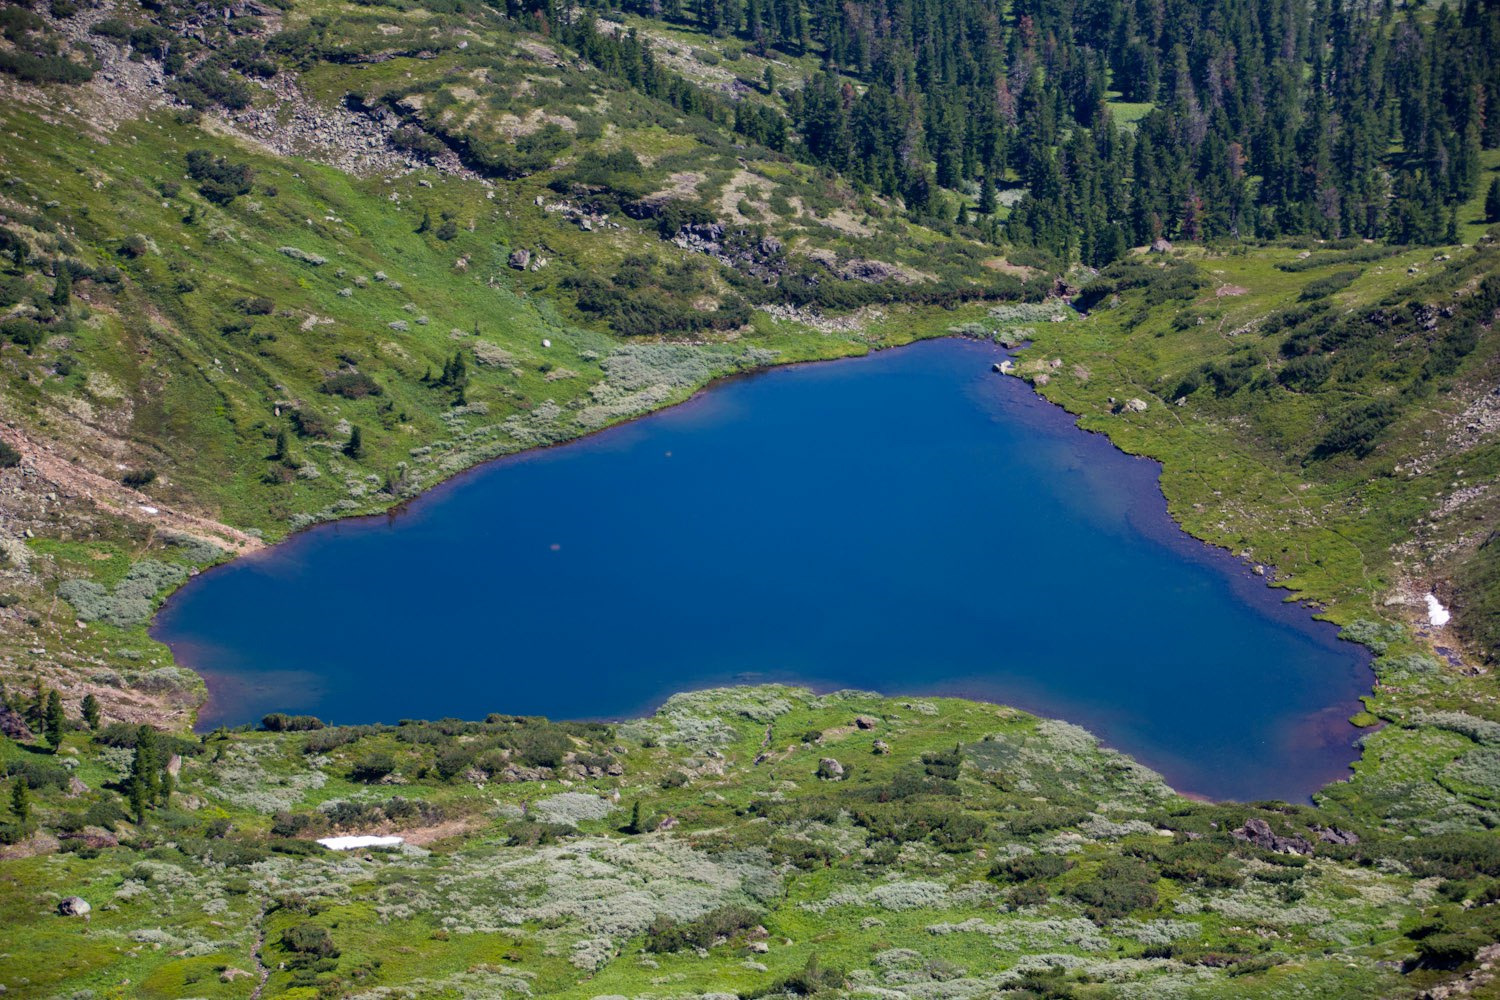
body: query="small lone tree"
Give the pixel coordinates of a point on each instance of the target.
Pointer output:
(56, 721)
(1492, 202)
(62, 289)
(20, 801)
(426, 222)
(280, 453)
(91, 711)
(355, 448)
(636, 823)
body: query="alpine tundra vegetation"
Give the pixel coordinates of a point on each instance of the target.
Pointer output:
(268, 263)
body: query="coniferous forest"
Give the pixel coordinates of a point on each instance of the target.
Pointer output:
(1269, 117)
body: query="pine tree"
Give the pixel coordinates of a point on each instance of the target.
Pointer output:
(142, 784)
(426, 222)
(988, 199)
(36, 706)
(20, 801)
(56, 722)
(636, 822)
(62, 289)
(355, 448)
(91, 711)
(280, 453)
(1492, 202)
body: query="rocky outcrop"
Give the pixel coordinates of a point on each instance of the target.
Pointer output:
(13, 726)
(757, 256)
(865, 722)
(830, 769)
(1258, 832)
(1333, 835)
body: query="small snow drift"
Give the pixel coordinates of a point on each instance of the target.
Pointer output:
(1436, 613)
(355, 843)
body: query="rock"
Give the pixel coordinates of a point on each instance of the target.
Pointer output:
(1333, 835)
(520, 259)
(881, 747)
(73, 906)
(865, 722)
(1258, 832)
(13, 726)
(761, 758)
(1160, 245)
(830, 769)
(76, 787)
(667, 823)
(759, 947)
(1134, 406)
(230, 974)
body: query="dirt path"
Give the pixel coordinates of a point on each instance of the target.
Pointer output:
(262, 970)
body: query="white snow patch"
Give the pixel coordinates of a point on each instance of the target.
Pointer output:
(354, 843)
(148, 510)
(1436, 613)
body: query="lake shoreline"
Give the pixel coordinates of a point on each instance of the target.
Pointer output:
(1248, 587)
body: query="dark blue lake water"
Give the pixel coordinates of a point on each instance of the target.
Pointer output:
(908, 523)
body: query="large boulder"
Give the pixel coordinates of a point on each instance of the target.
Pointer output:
(830, 769)
(73, 906)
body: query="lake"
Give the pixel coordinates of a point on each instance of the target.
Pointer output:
(907, 522)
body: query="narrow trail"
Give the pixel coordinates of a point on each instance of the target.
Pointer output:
(263, 971)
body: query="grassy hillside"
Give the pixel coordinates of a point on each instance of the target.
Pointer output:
(745, 842)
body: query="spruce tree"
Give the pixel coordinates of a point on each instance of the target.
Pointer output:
(142, 784)
(62, 289)
(280, 454)
(91, 711)
(20, 801)
(1492, 202)
(355, 448)
(56, 722)
(635, 824)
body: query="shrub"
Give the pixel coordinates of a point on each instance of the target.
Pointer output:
(136, 478)
(1324, 287)
(1029, 867)
(543, 747)
(9, 456)
(668, 935)
(38, 773)
(1120, 886)
(308, 938)
(351, 385)
(373, 767)
(257, 306)
(1355, 431)
(219, 180)
(279, 722)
